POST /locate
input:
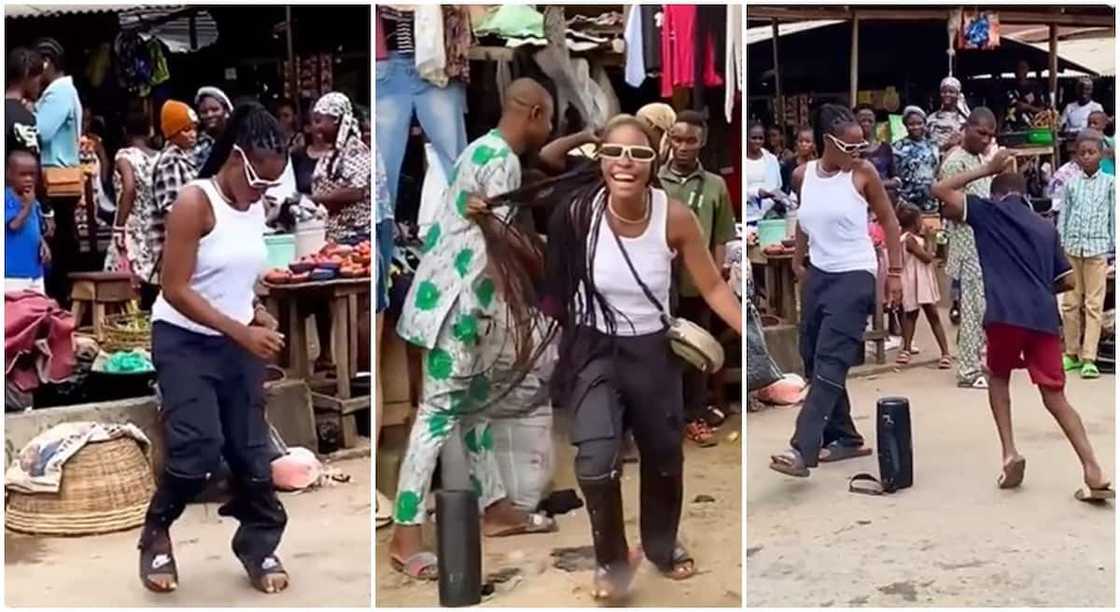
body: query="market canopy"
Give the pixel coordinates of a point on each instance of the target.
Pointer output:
(815, 56)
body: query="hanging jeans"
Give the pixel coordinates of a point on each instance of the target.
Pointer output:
(834, 315)
(628, 383)
(213, 406)
(401, 92)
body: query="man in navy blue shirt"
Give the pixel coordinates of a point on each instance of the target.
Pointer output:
(25, 251)
(1024, 267)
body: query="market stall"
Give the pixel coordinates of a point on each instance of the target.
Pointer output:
(789, 77)
(594, 66)
(126, 58)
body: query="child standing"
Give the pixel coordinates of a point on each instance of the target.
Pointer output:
(25, 250)
(1023, 267)
(1087, 230)
(920, 291)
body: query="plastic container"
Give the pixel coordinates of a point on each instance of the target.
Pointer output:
(310, 238)
(1041, 136)
(771, 231)
(281, 250)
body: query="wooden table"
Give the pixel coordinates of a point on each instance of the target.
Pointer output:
(779, 283)
(345, 299)
(343, 296)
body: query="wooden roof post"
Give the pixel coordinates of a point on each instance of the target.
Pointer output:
(853, 88)
(1054, 90)
(781, 103)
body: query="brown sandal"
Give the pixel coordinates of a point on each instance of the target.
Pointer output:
(700, 433)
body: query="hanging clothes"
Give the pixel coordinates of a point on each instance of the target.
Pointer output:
(458, 40)
(679, 46)
(382, 49)
(431, 54)
(635, 51)
(733, 59)
(651, 38)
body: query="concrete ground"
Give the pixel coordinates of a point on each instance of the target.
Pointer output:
(711, 530)
(953, 539)
(325, 549)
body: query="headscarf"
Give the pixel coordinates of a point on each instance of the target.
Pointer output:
(661, 116)
(910, 110)
(175, 117)
(215, 93)
(962, 105)
(337, 105)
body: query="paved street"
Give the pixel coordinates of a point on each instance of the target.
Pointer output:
(954, 539)
(711, 529)
(325, 549)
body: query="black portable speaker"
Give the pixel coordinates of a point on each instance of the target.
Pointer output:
(895, 452)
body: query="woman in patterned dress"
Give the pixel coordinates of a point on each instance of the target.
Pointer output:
(341, 179)
(916, 158)
(341, 183)
(132, 182)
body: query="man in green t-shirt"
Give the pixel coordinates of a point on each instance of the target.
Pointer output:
(705, 193)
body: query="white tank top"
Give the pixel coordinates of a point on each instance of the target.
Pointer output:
(230, 259)
(634, 313)
(835, 218)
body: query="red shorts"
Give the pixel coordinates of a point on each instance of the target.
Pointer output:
(1011, 348)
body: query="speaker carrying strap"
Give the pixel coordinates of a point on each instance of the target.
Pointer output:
(865, 484)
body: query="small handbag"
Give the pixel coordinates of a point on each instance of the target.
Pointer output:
(63, 182)
(689, 341)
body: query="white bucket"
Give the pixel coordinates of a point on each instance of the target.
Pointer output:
(311, 237)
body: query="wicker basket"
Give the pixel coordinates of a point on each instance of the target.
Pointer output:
(127, 331)
(106, 486)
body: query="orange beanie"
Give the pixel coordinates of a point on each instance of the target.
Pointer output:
(175, 117)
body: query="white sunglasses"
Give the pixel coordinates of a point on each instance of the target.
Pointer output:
(848, 148)
(255, 181)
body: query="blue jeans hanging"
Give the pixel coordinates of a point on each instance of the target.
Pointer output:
(401, 92)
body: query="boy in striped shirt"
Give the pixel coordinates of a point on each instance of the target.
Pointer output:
(1086, 227)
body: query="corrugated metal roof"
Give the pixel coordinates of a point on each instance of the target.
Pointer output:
(1096, 54)
(51, 10)
(175, 33)
(762, 33)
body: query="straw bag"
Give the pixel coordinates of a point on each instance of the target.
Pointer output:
(689, 341)
(106, 486)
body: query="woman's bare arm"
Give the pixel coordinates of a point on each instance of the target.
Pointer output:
(686, 239)
(128, 193)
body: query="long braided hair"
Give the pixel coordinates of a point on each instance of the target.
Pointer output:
(252, 128)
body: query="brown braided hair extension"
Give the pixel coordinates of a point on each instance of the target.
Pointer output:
(554, 278)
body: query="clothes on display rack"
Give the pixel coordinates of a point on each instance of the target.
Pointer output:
(413, 80)
(402, 93)
(679, 46)
(733, 60)
(431, 56)
(635, 51)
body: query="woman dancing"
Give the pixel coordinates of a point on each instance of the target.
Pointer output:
(209, 344)
(838, 286)
(610, 253)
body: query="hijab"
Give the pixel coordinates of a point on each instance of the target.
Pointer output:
(337, 105)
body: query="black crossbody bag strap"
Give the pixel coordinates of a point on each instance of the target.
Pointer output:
(665, 318)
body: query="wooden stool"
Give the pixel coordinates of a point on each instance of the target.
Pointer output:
(101, 290)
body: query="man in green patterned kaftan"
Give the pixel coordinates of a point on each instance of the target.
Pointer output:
(454, 310)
